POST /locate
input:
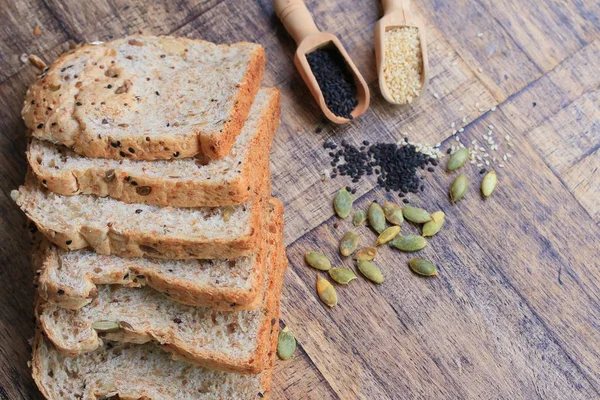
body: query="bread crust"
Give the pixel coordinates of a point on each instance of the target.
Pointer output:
(167, 191)
(255, 362)
(52, 289)
(53, 105)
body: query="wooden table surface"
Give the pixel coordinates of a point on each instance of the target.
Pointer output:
(515, 311)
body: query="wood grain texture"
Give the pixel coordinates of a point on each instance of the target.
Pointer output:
(514, 312)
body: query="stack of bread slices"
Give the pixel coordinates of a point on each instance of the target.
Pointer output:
(161, 260)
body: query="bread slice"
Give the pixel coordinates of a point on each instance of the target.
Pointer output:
(110, 226)
(146, 97)
(233, 179)
(131, 372)
(69, 279)
(235, 341)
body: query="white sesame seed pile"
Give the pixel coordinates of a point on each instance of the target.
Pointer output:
(403, 63)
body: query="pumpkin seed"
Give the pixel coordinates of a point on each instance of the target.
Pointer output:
(342, 276)
(416, 215)
(393, 213)
(359, 217)
(317, 260)
(437, 221)
(342, 203)
(366, 253)
(423, 267)
(326, 291)
(286, 344)
(348, 243)
(488, 184)
(410, 243)
(370, 271)
(106, 326)
(227, 213)
(387, 235)
(376, 217)
(457, 159)
(459, 188)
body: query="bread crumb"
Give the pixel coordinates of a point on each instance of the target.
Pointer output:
(37, 31)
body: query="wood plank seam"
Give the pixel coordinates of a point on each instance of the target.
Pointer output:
(61, 23)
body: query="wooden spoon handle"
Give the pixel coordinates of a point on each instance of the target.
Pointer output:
(393, 5)
(296, 18)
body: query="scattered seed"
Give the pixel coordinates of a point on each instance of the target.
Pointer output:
(423, 267)
(326, 291)
(432, 227)
(458, 159)
(488, 184)
(227, 213)
(393, 213)
(416, 215)
(459, 188)
(376, 217)
(370, 271)
(317, 260)
(359, 217)
(409, 243)
(348, 243)
(37, 62)
(343, 276)
(286, 344)
(342, 203)
(106, 326)
(366, 253)
(387, 235)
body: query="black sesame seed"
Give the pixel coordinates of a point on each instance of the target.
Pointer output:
(69, 242)
(406, 201)
(138, 211)
(158, 94)
(430, 169)
(483, 171)
(163, 55)
(61, 292)
(319, 130)
(78, 103)
(109, 86)
(122, 154)
(131, 150)
(176, 154)
(40, 126)
(449, 151)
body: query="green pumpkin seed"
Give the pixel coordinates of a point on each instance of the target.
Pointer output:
(393, 213)
(317, 260)
(458, 159)
(370, 271)
(488, 184)
(348, 243)
(106, 326)
(376, 217)
(359, 217)
(437, 221)
(423, 267)
(459, 188)
(342, 276)
(366, 253)
(416, 215)
(342, 203)
(326, 291)
(387, 235)
(286, 344)
(409, 243)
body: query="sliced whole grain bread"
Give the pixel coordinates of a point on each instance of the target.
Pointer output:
(110, 226)
(138, 371)
(69, 278)
(234, 341)
(146, 97)
(233, 179)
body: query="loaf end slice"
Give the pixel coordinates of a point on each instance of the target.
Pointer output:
(229, 341)
(233, 179)
(69, 278)
(110, 226)
(146, 97)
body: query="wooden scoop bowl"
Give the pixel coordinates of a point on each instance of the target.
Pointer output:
(298, 22)
(397, 14)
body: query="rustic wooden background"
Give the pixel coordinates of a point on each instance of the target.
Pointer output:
(515, 311)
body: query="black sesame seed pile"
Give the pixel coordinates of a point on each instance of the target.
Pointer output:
(397, 166)
(335, 80)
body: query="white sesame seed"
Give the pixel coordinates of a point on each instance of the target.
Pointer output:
(438, 144)
(501, 165)
(479, 158)
(480, 69)
(472, 162)
(452, 125)
(487, 162)
(464, 119)
(505, 158)
(454, 132)
(461, 108)
(479, 165)
(481, 149)
(476, 104)
(454, 62)
(491, 126)
(461, 130)
(486, 155)
(508, 155)
(437, 96)
(493, 108)
(507, 138)
(480, 35)
(482, 109)
(403, 63)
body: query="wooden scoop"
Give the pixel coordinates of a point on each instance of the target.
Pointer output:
(397, 14)
(298, 22)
